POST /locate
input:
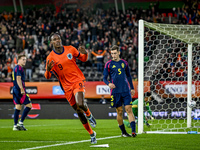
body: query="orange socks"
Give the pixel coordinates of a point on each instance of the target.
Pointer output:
(88, 113)
(88, 128)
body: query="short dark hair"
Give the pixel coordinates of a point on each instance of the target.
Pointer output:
(115, 47)
(147, 94)
(20, 56)
(52, 34)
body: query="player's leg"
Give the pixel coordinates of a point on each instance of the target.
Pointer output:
(18, 107)
(120, 121)
(128, 107)
(85, 123)
(79, 92)
(131, 118)
(28, 104)
(16, 100)
(79, 96)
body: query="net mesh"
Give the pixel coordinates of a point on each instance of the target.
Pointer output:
(165, 66)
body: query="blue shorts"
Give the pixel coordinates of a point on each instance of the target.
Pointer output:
(18, 98)
(117, 99)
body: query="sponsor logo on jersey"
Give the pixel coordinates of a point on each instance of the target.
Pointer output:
(113, 66)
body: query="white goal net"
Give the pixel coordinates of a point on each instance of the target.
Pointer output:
(169, 59)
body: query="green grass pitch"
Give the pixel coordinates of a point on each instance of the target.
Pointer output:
(52, 134)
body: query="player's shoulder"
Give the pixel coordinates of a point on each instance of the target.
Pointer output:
(124, 61)
(108, 63)
(18, 67)
(15, 68)
(51, 55)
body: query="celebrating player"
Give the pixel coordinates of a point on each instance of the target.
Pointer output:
(19, 94)
(119, 73)
(62, 62)
(147, 98)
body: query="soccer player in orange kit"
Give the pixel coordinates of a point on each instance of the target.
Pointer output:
(62, 62)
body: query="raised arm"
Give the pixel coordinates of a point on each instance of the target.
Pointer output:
(82, 54)
(49, 66)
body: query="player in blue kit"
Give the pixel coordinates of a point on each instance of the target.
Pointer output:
(120, 79)
(19, 94)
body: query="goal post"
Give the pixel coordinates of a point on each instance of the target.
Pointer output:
(189, 84)
(166, 45)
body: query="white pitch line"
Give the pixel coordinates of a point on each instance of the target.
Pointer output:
(32, 141)
(35, 125)
(68, 143)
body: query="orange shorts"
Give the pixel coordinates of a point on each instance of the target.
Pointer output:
(70, 94)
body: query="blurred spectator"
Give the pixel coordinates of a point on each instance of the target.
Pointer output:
(99, 59)
(11, 43)
(42, 69)
(102, 100)
(30, 42)
(28, 67)
(37, 59)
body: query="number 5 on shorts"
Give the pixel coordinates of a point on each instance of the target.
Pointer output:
(112, 100)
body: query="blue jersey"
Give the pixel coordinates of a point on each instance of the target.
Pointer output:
(18, 71)
(119, 74)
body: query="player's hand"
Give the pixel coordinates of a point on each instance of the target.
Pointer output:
(82, 50)
(22, 91)
(50, 65)
(111, 86)
(132, 92)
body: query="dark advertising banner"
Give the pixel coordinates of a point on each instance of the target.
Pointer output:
(100, 111)
(58, 111)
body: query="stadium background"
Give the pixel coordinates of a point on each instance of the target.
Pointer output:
(46, 94)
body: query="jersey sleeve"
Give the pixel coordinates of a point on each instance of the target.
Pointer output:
(106, 73)
(80, 56)
(18, 71)
(129, 76)
(47, 74)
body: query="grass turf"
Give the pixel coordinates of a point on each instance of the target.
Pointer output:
(45, 132)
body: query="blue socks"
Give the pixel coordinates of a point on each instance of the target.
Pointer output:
(133, 126)
(25, 113)
(16, 116)
(122, 128)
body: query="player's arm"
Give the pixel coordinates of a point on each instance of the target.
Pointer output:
(49, 66)
(19, 82)
(130, 80)
(82, 54)
(105, 77)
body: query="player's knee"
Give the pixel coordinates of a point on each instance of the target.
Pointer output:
(29, 105)
(120, 112)
(18, 107)
(78, 110)
(81, 105)
(129, 110)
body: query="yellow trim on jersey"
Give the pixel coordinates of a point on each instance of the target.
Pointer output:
(134, 106)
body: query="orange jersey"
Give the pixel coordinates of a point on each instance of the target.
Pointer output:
(65, 68)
